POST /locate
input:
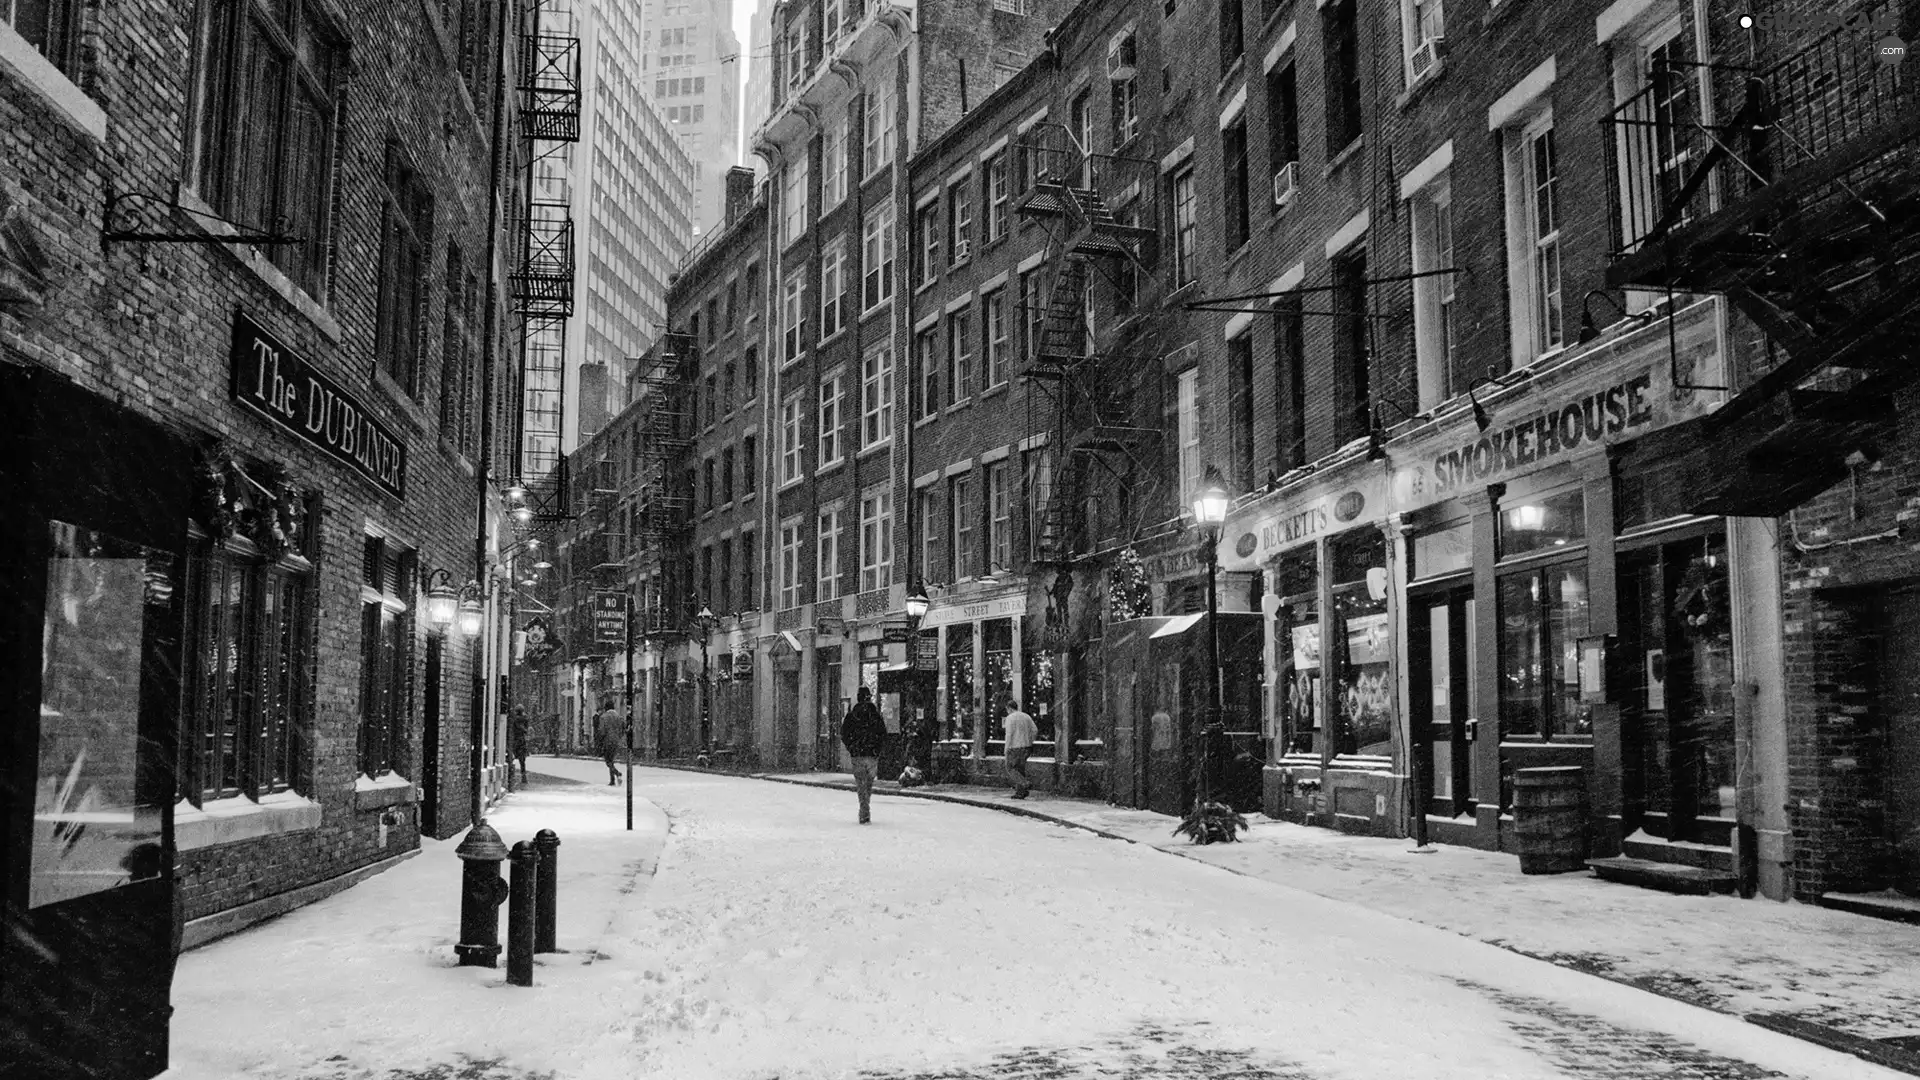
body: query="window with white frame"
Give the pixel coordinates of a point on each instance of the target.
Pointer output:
(1188, 417)
(1657, 82)
(878, 127)
(959, 356)
(963, 513)
(827, 555)
(930, 371)
(929, 509)
(833, 20)
(876, 281)
(1533, 231)
(793, 52)
(833, 150)
(993, 310)
(876, 397)
(1423, 31)
(1033, 314)
(959, 221)
(793, 199)
(926, 224)
(830, 394)
(833, 287)
(1184, 224)
(999, 516)
(793, 317)
(791, 537)
(998, 197)
(876, 539)
(790, 436)
(1433, 292)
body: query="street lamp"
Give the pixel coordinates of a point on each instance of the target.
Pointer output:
(704, 621)
(918, 605)
(1210, 513)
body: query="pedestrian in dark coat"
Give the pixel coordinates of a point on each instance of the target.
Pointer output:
(609, 737)
(517, 741)
(864, 732)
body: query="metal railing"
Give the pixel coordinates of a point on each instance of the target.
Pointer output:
(1819, 102)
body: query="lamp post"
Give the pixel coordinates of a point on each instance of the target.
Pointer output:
(917, 607)
(1210, 512)
(447, 607)
(704, 623)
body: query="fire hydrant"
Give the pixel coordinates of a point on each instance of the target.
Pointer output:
(482, 891)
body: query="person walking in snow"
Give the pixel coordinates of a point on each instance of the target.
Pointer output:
(863, 732)
(517, 741)
(1020, 732)
(608, 734)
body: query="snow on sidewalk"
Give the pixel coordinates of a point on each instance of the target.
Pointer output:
(1858, 974)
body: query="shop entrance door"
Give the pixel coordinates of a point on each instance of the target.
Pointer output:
(1442, 648)
(91, 611)
(1901, 699)
(1675, 662)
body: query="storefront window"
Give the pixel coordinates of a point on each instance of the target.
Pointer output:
(1543, 612)
(997, 654)
(1442, 550)
(1037, 679)
(960, 699)
(1297, 637)
(1543, 524)
(94, 828)
(1363, 694)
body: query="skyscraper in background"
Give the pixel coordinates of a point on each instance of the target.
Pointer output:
(759, 92)
(627, 187)
(692, 71)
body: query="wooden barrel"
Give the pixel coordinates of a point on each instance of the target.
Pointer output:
(1550, 819)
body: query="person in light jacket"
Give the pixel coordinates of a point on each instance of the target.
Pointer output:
(864, 732)
(1020, 732)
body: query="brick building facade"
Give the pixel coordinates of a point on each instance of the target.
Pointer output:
(266, 230)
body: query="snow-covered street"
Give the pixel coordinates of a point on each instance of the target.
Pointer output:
(763, 934)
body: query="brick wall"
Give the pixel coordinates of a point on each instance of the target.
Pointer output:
(150, 324)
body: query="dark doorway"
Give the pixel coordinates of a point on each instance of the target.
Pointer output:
(1900, 697)
(90, 655)
(430, 741)
(1675, 665)
(1441, 646)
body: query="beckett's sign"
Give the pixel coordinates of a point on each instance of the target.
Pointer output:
(276, 383)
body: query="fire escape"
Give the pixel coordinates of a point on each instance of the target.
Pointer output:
(1089, 398)
(1804, 210)
(664, 515)
(541, 250)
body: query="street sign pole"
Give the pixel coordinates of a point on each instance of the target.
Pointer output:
(629, 712)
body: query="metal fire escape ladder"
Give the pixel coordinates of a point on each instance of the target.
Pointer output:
(540, 245)
(1089, 397)
(1805, 212)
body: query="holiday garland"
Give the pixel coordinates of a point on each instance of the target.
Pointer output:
(1128, 596)
(230, 502)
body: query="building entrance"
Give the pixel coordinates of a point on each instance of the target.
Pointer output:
(1442, 648)
(1675, 663)
(1900, 698)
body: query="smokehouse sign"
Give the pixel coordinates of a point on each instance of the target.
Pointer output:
(276, 383)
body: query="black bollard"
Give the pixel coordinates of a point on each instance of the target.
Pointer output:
(546, 893)
(520, 914)
(481, 893)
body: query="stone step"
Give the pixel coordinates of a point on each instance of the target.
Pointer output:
(1670, 877)
(1704, 856)
(1881, 905)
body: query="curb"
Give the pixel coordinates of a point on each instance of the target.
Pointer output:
(1822, 1035)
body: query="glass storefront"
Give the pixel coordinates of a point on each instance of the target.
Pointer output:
(1362, 645)
(961, 708)
(1297, 635)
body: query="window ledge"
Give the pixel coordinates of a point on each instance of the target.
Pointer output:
(829, 468)
(1235, 69)
(1344, 156)
(38, 74)
(996, 388)
(396, 393)
(230, 821)
(958, 405)
(925, 285)
(1419, 86)
(869, 451)
(261, 267)
(927, 419)
(822, 343)
(390, 789)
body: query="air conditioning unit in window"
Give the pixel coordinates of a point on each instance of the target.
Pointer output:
(1427, 56)
(1283, 183)
(1122, 58)
(961, 249)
